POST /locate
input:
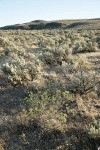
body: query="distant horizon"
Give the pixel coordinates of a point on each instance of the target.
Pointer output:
(50, 20)
(23, 11)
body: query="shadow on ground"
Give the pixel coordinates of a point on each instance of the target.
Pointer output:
(33, 137)
(10, 96)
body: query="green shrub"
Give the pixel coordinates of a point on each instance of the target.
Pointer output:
(41, 101)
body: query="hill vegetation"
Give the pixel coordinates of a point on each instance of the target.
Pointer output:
(89, 24)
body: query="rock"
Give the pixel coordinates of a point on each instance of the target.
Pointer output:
(27, 77)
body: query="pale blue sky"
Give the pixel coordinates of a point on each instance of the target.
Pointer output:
(20, 11)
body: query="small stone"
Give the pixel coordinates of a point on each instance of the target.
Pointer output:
(28, 77)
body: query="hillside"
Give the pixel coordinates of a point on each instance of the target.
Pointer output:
(89, 24)
(50, 87)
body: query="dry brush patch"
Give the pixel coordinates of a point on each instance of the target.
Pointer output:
(48, 93)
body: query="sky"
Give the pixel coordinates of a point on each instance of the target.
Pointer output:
(21, 11)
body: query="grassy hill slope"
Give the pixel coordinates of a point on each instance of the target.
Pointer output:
(89, 24)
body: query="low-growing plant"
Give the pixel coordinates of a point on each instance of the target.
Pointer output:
(93, 129)
(41, 101)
